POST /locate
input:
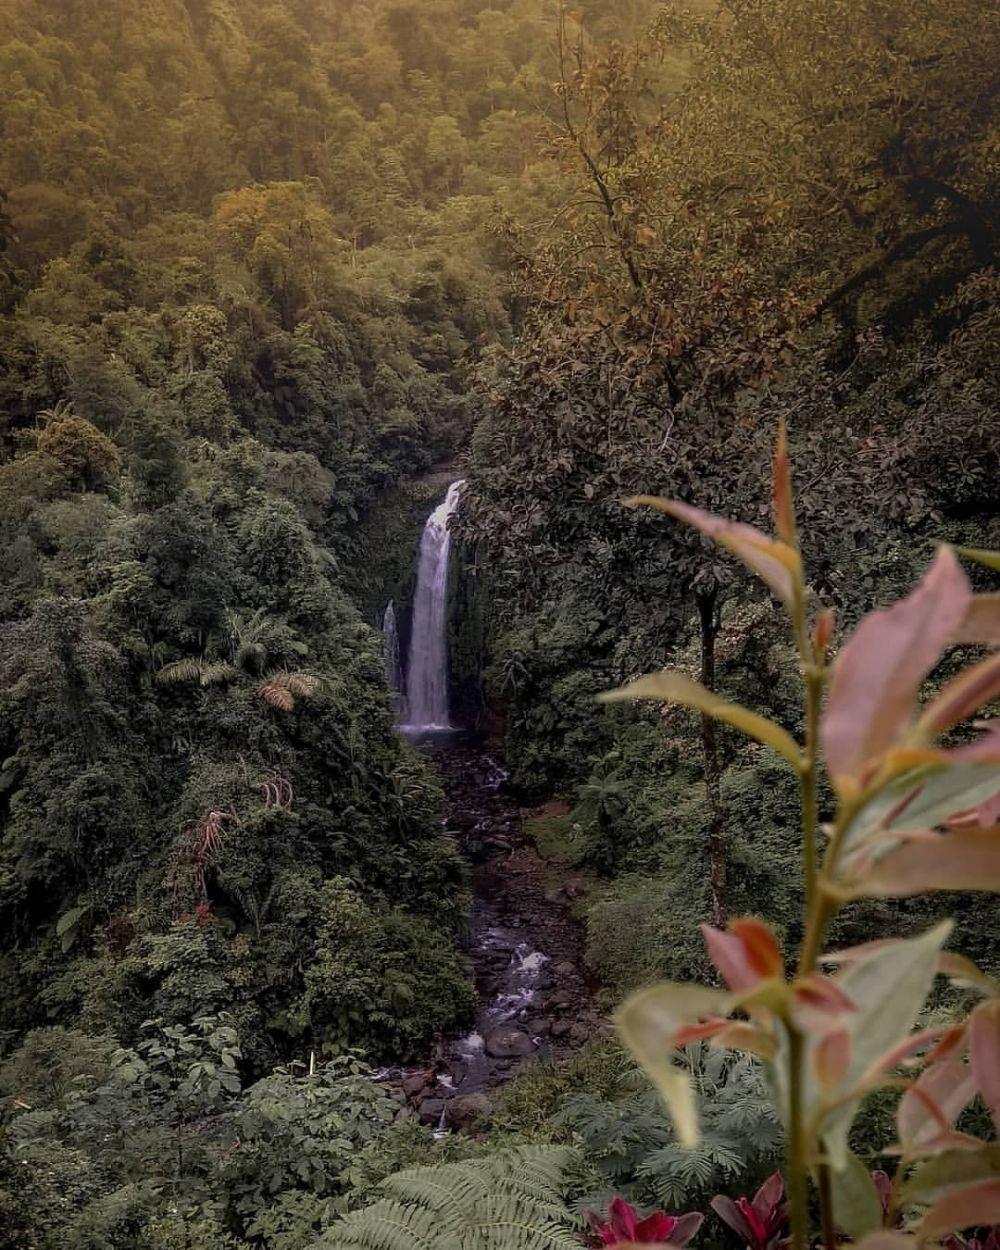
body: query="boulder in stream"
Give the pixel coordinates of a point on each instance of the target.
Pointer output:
(430, 1111)
(508, 1043)
(465, 1110)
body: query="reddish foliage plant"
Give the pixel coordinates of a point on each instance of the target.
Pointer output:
(623, 1227)
(913, 812)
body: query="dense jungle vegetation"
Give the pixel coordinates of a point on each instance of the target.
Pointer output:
(265, 267)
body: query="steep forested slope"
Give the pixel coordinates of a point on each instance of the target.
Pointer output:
(250, 264)
(805, 229)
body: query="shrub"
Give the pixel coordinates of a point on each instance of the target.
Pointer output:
(642, 930)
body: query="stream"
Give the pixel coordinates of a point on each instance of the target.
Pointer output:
(525, 945)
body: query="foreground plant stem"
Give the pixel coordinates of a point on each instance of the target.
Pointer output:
(798, 1166)
(816, 902)
(813, 677)
(826, 1205)
(825, 903)
(809, 782)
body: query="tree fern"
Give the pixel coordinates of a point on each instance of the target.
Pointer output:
(511, 1200)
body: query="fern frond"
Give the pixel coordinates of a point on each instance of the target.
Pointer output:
(302, 684)
(217, 672)
(282, 688)
(187, 669)
(387, 1225)
(512, 1200)
(277, 696)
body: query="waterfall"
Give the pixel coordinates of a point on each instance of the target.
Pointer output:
(427, 669)
(390, 647)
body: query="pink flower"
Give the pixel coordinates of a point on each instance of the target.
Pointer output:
(623, 1227)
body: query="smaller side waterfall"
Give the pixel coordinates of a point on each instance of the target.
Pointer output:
(427, 669)
(390, 648)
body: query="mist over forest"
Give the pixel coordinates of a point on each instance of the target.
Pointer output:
(499, 624)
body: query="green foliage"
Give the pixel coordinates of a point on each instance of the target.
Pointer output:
(299, 1135)
(196, 1065)
(601, 1105)
(382, 979)
(51, 1064)
(249, 261)
(641, 931)
(251, 689)
(628, 1146)
(161, 1142)
(511, 1200)
(528, 1103)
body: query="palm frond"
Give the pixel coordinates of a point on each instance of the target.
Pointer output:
(188, 669)
(276, 696)
(213, 674)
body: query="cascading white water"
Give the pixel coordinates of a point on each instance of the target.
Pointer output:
(390, 648)
(427, 668)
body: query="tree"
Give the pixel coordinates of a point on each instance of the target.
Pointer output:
(87, 456)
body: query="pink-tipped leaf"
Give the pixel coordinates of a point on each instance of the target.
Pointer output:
(968, 859)
(878, 674)
(777, 564)
(984, 1051)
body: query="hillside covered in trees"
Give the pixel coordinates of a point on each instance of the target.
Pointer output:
(273, 274)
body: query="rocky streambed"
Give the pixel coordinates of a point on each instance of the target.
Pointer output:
(526, 948)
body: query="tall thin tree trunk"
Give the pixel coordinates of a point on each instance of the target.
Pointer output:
(708, 615)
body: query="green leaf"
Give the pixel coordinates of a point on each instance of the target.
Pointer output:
(944, 793)
(648, 1023)
(676, 688)
(951, 1170)
(857, 1207)
(889, 987)
(990, 558)
(68, 925)
(69, 919)
(938, 792)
